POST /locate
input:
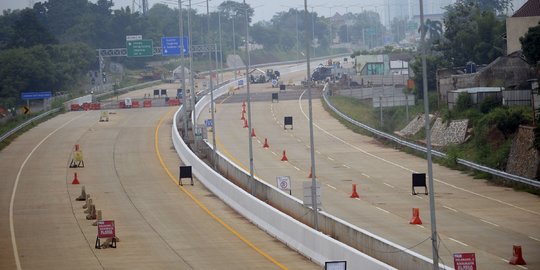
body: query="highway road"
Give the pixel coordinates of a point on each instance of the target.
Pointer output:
(472, 214)
(130, 173)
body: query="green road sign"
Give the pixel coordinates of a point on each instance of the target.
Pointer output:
(140, 48)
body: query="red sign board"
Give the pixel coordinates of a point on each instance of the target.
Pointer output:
(106, 229)
(464, 261)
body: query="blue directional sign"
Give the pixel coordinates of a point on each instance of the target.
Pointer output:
(170, 46)
(36, 95)
(209, 122)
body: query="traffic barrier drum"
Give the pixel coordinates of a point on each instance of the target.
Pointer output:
(147, 103)
(121, 104)
(135, 104)
(75, 107)
(86, 106)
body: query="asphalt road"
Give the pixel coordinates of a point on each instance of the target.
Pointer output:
(472, 214)
(130, 173)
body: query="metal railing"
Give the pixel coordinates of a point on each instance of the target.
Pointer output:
(469, 164)
(28, 122)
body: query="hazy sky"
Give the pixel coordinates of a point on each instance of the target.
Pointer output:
(264, 10)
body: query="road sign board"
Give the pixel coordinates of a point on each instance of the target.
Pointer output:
(171, 46)
(26, 110)
(283, 182)
(36, 95)
(106, 229)
(464, 261)
(140, 48)
(133, 37)
(209, 122)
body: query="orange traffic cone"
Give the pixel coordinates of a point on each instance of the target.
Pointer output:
(284, 157)
(243, 116)
(517, 258)
(310, 173)
(245, 123)
(75, 180)
(416, 217)
(76, 147)
(253, 132)
(354, 193)
(265, 145)
(243, 104)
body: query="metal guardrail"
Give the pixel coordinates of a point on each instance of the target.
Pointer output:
(125, 89)
(21, 126)
(472, 165)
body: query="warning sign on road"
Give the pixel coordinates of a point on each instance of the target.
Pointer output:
(464, 261)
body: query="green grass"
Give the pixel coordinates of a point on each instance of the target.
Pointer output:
(484, 147)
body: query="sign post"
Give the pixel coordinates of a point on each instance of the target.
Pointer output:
(106, 229)
(464, 261)
(284, 183)
(140, 48)
(170, 46)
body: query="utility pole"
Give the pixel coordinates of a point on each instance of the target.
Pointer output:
(251, 178)
(183, 64)
(312, 144)
(434, 245)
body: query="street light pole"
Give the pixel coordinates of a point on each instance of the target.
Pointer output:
(434, 245)
(234, 46)
(312, 144)
(183, 64)
(211, 88)
(251, 178)
(191, 77)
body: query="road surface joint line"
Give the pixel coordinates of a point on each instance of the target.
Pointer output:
(457, 241)
(405, 168)
(203, 207)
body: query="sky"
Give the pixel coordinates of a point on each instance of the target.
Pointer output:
(264, 9)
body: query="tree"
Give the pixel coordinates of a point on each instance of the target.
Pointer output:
(433, 62)
(398, 27)
(23, 29)
(471, 34)
(530, 45)
(498, 6)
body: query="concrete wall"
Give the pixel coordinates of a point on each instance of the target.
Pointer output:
(524, 158)
(516, 27)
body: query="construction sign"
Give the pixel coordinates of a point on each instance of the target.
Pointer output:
(106, 229)
(464, 261)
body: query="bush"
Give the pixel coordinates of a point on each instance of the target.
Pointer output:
(490, 103)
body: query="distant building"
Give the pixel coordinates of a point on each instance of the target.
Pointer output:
(517, 25)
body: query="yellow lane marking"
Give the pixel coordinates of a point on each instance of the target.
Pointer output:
(201, 205)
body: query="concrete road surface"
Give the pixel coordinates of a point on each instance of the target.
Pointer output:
(473, 215)
(130, 173)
